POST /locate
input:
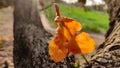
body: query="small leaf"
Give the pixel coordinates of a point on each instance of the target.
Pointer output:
(76, 64)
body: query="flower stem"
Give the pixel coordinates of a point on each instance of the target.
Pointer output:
(57, 9)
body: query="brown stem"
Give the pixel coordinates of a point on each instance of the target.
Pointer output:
(57, 9)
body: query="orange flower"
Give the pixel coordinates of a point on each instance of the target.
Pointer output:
(69, 39)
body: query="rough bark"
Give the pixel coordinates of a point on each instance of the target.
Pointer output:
(31, 39)
(108, 54)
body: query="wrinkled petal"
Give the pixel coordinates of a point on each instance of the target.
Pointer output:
(73, 26)
(85, 42)
(73, 48)
(65, 32)
(56, 53)
(61, 37)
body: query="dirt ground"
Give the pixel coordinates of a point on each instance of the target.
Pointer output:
(6, 36)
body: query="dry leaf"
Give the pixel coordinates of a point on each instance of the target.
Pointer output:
(69, 40)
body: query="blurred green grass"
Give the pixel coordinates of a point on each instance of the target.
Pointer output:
(92, 21)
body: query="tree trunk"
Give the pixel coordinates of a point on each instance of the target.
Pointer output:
(108, 54)
(31, 40)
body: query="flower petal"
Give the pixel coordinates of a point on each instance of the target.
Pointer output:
(57, 54)
(85, 42)
(73, 25)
